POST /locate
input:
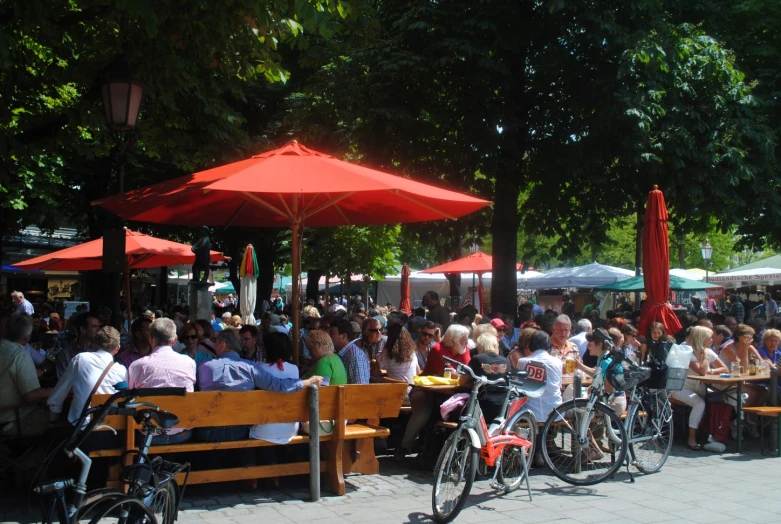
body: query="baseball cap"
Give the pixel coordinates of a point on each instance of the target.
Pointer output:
(498, 323)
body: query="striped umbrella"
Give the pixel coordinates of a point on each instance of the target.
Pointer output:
(248, 271)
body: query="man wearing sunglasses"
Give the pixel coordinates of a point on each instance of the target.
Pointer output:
(426, 337)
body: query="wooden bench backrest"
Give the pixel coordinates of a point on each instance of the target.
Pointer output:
(226, 408)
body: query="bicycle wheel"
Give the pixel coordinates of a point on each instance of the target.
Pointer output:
(585, 459)
(120, 509)
(163, 502)
(650, 429)
(511, 472)
(455, 473)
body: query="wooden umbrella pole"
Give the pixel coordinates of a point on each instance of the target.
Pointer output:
(127, 299)
(296, 270)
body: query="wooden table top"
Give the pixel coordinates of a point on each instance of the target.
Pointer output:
(716, 379)
(568, 380)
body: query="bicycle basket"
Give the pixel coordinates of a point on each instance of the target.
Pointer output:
(623, 374)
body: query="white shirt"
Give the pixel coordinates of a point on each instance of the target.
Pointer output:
(580, 341)
(697, 385)
(283, 432)
(551, 395)
(405, 371)
(80, 376)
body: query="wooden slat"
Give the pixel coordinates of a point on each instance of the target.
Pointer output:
(764, 411)
(380, 401)
(251, 472)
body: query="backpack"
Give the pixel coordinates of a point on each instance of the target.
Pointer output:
(716, 422)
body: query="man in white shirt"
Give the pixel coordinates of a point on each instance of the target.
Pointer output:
(551, 396)
(22, 304)
(582, 328)
(82, 374)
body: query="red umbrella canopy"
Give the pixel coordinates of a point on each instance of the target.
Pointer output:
(292, 183)
(143, 251)
(656, 266)
(475, 263)
(405, 304)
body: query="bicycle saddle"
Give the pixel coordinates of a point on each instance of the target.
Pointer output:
(517, 374)
(162, 419)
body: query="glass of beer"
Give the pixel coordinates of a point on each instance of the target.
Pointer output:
(569, 365)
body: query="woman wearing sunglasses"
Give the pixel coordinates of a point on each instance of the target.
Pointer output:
(189, 335)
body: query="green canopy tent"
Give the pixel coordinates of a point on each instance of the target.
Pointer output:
(638, 284)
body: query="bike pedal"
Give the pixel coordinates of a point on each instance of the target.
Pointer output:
(497, 485)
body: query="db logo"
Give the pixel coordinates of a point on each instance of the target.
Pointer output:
(536, 373)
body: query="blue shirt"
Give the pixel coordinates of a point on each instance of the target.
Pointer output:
(216, 326)
(603, 363)
(231, 373)
(25, 307)
(356, 363)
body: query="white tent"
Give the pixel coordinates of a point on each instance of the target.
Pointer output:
(764, 276)
(591, 275)
(691, 274)
(389, 290)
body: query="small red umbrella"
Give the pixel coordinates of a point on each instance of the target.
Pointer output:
(292, 186)
(656, 266)
(405, 304)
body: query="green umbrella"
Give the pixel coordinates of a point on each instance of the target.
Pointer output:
(676, 284)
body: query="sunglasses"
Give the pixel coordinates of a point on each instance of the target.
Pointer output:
(376, 330)
(427, 335)
(191, 337)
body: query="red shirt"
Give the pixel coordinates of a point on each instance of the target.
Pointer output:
(435, 364)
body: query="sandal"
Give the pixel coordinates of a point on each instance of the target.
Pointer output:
(695, 447)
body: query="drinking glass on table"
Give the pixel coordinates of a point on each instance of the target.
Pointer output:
(764, 367)
(736, 369)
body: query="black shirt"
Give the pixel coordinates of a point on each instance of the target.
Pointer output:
(491, 366)
(439, 315)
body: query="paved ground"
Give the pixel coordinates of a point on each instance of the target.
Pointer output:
(692, 487)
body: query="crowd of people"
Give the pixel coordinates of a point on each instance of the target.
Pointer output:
(47, 368)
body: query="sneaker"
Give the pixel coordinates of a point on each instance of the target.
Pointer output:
(714, 446)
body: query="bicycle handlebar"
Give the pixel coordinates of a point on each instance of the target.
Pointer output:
(108, 408)
(461, 367)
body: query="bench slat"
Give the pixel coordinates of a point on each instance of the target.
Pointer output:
(248, 473)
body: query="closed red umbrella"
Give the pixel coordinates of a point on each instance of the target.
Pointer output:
(292, 186)
(656, 266)
(405, 304)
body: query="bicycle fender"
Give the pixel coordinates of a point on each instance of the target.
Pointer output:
(473, 437)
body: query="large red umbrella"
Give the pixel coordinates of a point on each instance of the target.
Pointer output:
(476, 263)
(141, 251)
(656, 266)
(290, 187)
(405, 305)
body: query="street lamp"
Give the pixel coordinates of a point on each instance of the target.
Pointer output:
(121, 102)
(707, 252)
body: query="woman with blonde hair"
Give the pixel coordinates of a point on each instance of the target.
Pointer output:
(325, 362)
(236, 321)
(703, 362)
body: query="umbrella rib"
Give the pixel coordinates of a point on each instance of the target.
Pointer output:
(235, 214)
(282, 199)
(328, 204)
(267, 205)
(341, 214)
(421, 204)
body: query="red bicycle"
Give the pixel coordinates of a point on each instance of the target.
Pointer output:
(506, 445)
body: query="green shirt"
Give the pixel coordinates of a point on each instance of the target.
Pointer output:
(329, 366)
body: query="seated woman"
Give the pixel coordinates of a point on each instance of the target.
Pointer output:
(489, 364)
(521, 348)
(279, 353)
(326, 362)
(190, 335)
(453, 345)
(704, 361)
(656, 335)
(771, 339)
(741, 351)
(398, 356)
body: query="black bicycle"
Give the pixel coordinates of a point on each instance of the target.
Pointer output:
(153, 493)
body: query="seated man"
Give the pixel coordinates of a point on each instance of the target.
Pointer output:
(251, 346)
(84, 327)
(353, 357)
(164, 367)
(139, 345)
(540, 345)
(89, 373)
(19, 382)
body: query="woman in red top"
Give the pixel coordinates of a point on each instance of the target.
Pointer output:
(453, 345)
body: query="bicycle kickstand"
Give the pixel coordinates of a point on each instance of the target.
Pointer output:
(631, 477)
(525, 464)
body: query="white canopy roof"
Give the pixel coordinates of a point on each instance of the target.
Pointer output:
(691, 274)
(591, 275)
(759, 276)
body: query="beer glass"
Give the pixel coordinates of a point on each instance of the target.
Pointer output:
(736, 369)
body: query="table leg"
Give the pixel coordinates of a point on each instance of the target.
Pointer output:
(739, 407)
(778, 432)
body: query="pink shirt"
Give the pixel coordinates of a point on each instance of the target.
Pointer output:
(163, 367)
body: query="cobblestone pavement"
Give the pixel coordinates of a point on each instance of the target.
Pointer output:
(692, 487)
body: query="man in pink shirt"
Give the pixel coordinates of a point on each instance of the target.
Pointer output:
(164, 367)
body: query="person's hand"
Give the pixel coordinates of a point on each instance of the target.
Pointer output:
(316, 379)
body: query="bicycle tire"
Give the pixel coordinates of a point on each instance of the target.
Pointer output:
(654, 420)
(511, 472)
(464, 460)
(95, 500)
(137, 512)
(583, 464)
(163, 502)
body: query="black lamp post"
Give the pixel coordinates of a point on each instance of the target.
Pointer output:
(121, 101)
(707, 252)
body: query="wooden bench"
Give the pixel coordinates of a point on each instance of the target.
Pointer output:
(349, 449)
(767, 412)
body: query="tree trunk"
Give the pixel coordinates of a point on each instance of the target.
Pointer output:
(639, 248)
(162, 288)
(681, 250)
(266, 253)
(313, 283)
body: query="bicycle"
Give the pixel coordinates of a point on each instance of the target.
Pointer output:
(153, 493)
(506, 445)
(584, 441)
(649, 427)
